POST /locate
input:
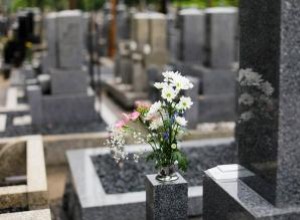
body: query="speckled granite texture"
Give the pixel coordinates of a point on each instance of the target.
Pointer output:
(167, 201)
(269, 145)
(12, 131)
(229, 198)
(117, 201)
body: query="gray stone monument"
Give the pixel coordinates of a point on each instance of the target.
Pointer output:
(51, 37)
(266, 184)
(70, 39)
(192, 36)
(167, 201)
(140, 30)
(221, 36)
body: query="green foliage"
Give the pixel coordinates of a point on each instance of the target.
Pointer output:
(88, 5)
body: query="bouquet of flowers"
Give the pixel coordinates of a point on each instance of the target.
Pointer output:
(161, 125)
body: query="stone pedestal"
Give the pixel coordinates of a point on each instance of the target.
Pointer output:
(167, 201)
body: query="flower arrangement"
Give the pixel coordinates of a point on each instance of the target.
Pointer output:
(161, 125)
(252, 85)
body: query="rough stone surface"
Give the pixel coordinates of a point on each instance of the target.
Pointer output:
(166, 201)
(70, 39)
(130, 176)
(68, 82)
(13, 131)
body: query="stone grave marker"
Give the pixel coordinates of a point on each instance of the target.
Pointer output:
(266, 183)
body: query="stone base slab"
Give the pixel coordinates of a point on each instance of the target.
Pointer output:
(227, 197)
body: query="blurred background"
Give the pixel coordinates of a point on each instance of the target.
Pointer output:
(70, 68)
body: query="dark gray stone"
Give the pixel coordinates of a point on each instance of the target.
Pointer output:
(123, 29)
(68, 82)
(219, 82)
(50, 60)
(193, 113)
(97, 198)
(70, 39)
(192, 36)
(217, 108)
(68, 109)
(221, 34)
(166, 200)
(227, 197)
(268, 142)
(34, 95)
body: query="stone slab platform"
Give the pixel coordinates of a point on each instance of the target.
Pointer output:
(87, 199)
(227, 197)
(33, 194)
(43, 214)
(124, 95)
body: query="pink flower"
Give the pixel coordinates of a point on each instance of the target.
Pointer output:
(142, 104)
(134, 115)
(120, 124)
(126, 117)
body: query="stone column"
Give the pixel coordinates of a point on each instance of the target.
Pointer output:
(193, 113)
(168, 201)
(221, 37)
(267, 134)
(192, 36)
(35, 102)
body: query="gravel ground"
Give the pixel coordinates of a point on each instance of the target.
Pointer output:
(130, 176)
(12, 131)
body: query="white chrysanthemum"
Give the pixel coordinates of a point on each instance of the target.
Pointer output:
(247, 77)
(160, 85)
(181, 83)
(181, 121)
(168, 93)
(267, 88)
(246, 99)
(184, 103)
(155, 124)
(169, 75)
(246, 116)
(155, 107)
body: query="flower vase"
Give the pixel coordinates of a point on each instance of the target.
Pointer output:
(167, 174)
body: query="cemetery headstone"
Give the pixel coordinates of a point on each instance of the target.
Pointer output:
(266, 185)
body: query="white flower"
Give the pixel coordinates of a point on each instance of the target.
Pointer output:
(247, 77)
(180, 82)
(246, 99)
(147, 49)
(168, 93)
(184, 103)
(174, 146)
(155, 124)
(181, 121)
(169, 75)
(246, 116)
(153, 109)
(160, 85)
(267, 88)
